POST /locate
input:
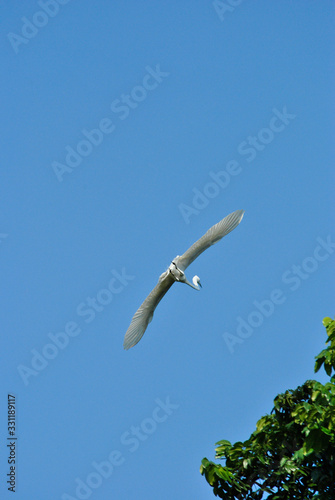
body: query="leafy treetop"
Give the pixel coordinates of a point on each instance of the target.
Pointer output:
(291, 454)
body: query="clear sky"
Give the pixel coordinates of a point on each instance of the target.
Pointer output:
(127, 130)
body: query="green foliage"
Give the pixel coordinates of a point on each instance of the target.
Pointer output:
(291, 454)
(327, 356)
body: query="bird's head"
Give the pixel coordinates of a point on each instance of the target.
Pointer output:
(196, 282)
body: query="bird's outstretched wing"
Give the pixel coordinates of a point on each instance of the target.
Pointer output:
(214, 234)
(145, 312)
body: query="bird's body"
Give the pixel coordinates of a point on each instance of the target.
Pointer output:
(175, 272)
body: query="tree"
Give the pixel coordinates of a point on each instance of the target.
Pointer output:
(291, 454)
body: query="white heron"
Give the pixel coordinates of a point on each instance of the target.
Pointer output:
(175, 272)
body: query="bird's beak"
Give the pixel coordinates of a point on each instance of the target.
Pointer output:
(199, 284)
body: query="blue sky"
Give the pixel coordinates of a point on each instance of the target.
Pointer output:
(127, 131)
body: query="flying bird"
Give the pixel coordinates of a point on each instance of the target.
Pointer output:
(175, 272)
